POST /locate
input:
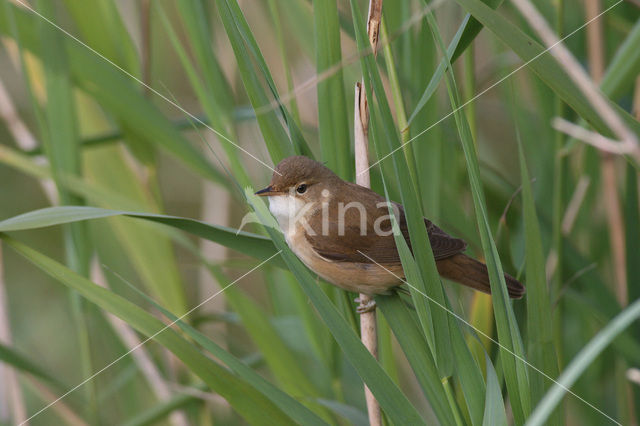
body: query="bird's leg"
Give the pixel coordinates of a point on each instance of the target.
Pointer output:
(365, 305)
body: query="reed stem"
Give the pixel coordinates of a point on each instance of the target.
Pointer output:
(368, 323)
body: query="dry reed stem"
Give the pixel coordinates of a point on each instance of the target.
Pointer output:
(20, 132)
(596, 55)
(571, 213)
(616, 226)
(360, 139)
(368, 322)
(636, 99)
(595, 40)
(627, 141)
(145, 33)
(22, 136)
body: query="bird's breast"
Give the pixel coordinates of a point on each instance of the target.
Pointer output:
(357, 277)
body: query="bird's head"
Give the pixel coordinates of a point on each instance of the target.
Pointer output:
(298, 182)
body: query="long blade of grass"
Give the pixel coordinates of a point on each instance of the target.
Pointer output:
(244, 242)
(623, 69)
(580, 362)
(412, 274)
(632, 240)
(469, 374)
(494, 414)
(279, 29)
(430, 147)
(333, 128)
(401, 116)
(511, 349)
(436, 78)
(540, 344)
(245, 399)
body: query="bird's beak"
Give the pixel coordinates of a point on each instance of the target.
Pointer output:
(267, 192)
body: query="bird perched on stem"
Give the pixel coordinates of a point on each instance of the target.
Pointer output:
(343, 232)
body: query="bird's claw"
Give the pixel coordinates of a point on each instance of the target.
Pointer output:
(365, 306)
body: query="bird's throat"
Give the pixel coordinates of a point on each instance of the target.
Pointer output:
(287, 210)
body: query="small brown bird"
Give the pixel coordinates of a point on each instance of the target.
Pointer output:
(342, 231)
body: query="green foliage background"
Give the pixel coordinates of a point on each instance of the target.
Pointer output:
(153, 121)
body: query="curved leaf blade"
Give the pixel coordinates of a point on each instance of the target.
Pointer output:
(244, 242)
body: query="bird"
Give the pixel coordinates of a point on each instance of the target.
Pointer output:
(343, 232)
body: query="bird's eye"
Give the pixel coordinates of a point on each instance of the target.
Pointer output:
(301, 189)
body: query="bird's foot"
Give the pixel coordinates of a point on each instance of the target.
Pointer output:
(365, 306)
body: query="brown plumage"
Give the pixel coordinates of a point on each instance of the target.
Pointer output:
(308, 200)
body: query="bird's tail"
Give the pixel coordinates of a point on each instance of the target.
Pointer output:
(473, 273)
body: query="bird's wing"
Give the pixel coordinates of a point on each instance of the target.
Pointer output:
(442, 244)
(348, 245)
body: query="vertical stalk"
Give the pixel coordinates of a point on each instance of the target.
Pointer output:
(446, 384)
(368, 324)
(556, 256)
(558, 178)
(633, 395)
(469, 89)
(401, 115)
(275, 16)
(61, 142)
(596, 56)
(145, 30)
(8, 377)
(616, 225)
